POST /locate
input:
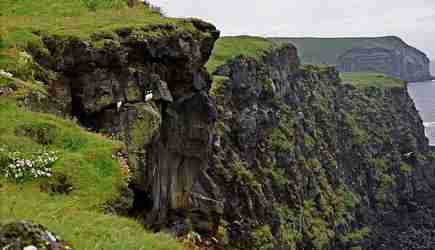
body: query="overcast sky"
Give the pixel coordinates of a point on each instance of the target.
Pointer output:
(412, 20)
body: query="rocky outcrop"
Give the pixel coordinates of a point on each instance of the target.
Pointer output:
(147, 87)
(408, 64)
(306, 162)
(25, 235)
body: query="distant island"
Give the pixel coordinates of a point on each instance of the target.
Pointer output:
(389, 55)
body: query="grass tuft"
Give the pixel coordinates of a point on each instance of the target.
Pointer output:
(227, 48)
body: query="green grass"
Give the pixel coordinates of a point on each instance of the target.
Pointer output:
(73, 17)
(20, 20)
(327, 50)
(229, 47)
(86, 158)
(371, 79)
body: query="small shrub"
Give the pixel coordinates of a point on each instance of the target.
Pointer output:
(405, 168)
(279, 140)
(74, 143)
(245, 176)
(24, 67)
(263, 238)
(58, 184)
(356, 236)
(380, 164)
(309, 141)
(218, 82)
(290, 226)
(268, 86)
(42, 133)
(279, 178)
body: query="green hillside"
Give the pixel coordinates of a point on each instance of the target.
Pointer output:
(230, 47)
(327, 50)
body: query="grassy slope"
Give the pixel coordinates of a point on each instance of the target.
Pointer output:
(19, 18)
(86, 158)
(230, 47)
(371, 79)
(327, 50)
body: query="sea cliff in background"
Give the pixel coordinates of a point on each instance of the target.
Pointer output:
(389, 55)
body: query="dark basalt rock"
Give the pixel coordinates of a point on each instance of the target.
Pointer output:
(293, 137)
(107, 84)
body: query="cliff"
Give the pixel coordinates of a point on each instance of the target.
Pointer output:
(266, 154)
(390, 55)
(150, 92)
(307, 162)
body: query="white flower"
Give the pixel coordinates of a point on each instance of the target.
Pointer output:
(5, 74)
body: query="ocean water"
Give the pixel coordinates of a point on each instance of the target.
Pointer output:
(423, 94)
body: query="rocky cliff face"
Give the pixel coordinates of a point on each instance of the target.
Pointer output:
(283, 156)
(405, 63)
(308, 163)
(147, 87)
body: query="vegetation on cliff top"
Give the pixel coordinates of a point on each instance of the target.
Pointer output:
(371, 79)
(22, 20)
(327, 50)
(230, 47)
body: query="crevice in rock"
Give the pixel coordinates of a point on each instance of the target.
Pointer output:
(77, 107)
(142, 203)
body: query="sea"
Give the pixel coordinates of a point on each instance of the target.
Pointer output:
(423, 94)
